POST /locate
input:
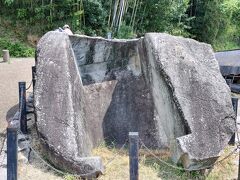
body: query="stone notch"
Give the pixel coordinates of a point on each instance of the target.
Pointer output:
(115, 90)
(168, 88)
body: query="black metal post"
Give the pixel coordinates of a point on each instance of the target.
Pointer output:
(229, 82)
(33, 76)
(22, 107)
(133, 155)
(238, 166)
(11, 154)
(235, 106)
(36, 52)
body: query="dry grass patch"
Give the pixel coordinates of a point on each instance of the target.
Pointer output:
(227, 169)
(152, 169)
(117, 164)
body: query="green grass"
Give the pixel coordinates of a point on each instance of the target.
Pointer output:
(227, 45)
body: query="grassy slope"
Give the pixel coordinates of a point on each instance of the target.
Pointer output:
(11, 33)
(15, 39)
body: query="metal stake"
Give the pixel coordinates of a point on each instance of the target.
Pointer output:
(11, 154)
(22, 107)
(133, 154)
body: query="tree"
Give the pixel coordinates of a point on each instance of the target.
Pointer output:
(212, 21)
(164, 16)
(208, 19)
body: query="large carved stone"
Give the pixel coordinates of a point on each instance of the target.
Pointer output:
(167, 88)
(201, 98)
(59, 102)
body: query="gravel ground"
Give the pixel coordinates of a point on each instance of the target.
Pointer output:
(10, 74)
(18, 69)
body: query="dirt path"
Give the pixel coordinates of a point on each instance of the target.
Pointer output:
(10, 74)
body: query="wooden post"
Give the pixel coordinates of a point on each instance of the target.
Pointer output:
(6, 56)
(133, 155)
(22, 107)
(235, 107)
(11, 154)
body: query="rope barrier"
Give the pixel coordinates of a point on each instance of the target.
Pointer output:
(29, 86)
(80, 175)
(116, 155)
(61, 172)
(57, 170)
(184, 169)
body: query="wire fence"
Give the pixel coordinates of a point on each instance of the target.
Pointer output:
(184, 169)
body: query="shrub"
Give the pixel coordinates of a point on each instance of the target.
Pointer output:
(16, 49)
(125, 32)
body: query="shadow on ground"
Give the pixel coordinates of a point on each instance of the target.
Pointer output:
(11, 112)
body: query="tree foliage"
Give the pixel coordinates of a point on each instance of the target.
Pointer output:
(215, 22)
(212, 21)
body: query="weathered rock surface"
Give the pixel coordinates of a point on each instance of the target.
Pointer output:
(201, 98)
(167, 88)
(59, 106)
(118, 99)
